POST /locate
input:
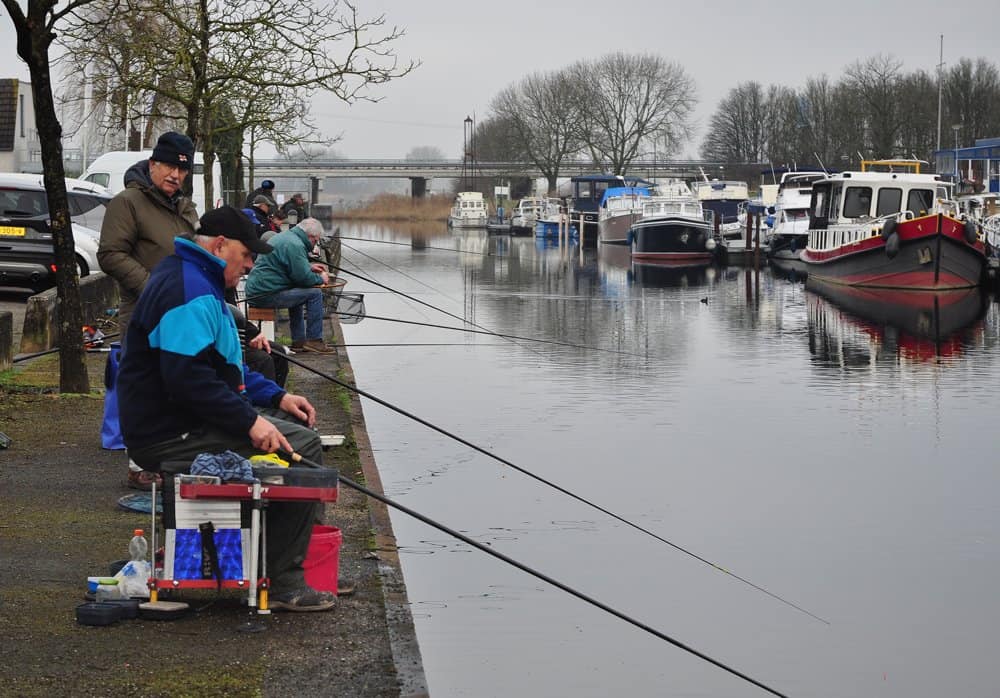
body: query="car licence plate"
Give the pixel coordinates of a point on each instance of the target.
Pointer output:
(12, 231)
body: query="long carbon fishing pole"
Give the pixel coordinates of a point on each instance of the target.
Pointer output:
(533, 572)
(544, 481)
(492, 334)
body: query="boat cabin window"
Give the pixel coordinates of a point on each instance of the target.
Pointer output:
(890, 200)
(857, 202)
(818, 206)
(920, 201)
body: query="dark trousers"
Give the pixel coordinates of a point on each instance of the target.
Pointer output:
(289, 524)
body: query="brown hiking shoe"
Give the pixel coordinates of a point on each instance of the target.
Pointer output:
(317, 346)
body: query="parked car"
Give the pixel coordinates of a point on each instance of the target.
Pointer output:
(27, 259)
(26, 255)
(23, 196)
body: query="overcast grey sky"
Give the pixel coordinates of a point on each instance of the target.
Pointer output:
(470, 50)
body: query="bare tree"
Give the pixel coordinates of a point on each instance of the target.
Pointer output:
(876, 81)
(737, 130)
(972, 99)
(211, 53)
(35, 33)
(917, 96)
(545, 119)
(628, 103)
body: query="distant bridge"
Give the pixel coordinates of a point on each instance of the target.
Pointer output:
(419, 171)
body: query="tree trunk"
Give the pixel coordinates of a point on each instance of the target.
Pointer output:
(72, 368)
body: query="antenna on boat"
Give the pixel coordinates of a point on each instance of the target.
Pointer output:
(703, 175)
(820, 161)
(774, 179)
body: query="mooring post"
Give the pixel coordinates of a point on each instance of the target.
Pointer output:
(756, 248)
(749, 229)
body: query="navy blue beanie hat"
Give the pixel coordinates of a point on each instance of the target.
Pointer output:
(174, 149)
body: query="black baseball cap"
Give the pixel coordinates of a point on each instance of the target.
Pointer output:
(233, 224)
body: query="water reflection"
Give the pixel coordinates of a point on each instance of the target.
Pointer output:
(853, 326)
(745, 432)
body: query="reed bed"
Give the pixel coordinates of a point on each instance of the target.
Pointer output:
(399, 207)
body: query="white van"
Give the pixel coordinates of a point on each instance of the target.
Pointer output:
(109, 171)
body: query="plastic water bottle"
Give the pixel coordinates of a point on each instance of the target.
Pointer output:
(137, 547)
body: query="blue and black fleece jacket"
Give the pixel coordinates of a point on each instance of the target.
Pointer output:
(182, 367)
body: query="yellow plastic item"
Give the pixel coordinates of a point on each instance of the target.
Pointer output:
(269, 459)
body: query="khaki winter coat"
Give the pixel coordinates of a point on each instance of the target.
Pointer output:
(139, 230)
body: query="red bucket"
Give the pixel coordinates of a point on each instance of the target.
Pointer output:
(323, 558)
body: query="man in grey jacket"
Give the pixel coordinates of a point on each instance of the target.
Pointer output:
(139, 230)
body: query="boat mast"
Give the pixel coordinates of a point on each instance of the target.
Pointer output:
(940, 67)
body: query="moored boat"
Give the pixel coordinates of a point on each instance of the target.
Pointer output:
(724, 200)
(522, 222)
(673, 227)
(619, 208)
(550, 219)
(588, 190)
(468, 211)
(790, 223)
(891, 230)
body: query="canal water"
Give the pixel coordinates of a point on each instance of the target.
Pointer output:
(835, 450)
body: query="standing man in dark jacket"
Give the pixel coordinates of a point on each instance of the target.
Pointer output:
(143, 219)
(184, 390)
(139, 229)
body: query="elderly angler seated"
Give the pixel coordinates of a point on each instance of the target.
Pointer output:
(183, 389)
(287, 279)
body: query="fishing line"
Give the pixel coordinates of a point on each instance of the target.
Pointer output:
(372, 281)
(401, 273)
(541, 479)
(492, 334)
(434, 307)
(419, 344)
(428, 247)
(535, 573)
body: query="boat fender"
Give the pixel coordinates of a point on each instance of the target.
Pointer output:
(710, 244)
(970, 230)
(888, 229)
(892, 245)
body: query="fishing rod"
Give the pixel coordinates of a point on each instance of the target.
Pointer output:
(533, 572)
(544, 481)
(492, 334)
(406, 244)
(417, 300)
(53, 350)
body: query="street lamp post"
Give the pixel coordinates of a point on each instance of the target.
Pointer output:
(466, 151)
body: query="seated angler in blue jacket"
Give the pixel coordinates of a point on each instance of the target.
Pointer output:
(183, 389)
(287, 279)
